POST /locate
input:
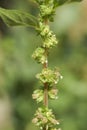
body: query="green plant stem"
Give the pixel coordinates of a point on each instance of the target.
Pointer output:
(46, 85)
(46, 95)
(46, 66)
(45, 91)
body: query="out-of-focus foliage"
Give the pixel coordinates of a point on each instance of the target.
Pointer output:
(17, 68)
(17, 18)
(60, 2)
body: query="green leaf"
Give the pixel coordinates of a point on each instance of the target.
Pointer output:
(17, 18)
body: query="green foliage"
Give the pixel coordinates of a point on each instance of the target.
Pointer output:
(17, 18)
(60, 2)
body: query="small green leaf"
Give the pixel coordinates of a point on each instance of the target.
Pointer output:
(17, 18)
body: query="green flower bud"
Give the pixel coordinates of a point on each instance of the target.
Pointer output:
(44, 30)
(46, 10)
(39, 55)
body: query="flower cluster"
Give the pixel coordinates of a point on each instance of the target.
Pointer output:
(38, 94)
(53, 93)
(50, 41)
(45, 117)
(49, 38)
(39, 55)
(51, 77)
(47, 8)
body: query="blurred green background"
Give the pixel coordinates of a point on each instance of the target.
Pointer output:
(18, 69)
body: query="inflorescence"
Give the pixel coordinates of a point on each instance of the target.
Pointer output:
(44, 117)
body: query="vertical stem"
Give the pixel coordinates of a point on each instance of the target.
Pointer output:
(46, 95)
(45, 84)
(46, 66)
(45, 87)
(45, 99)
